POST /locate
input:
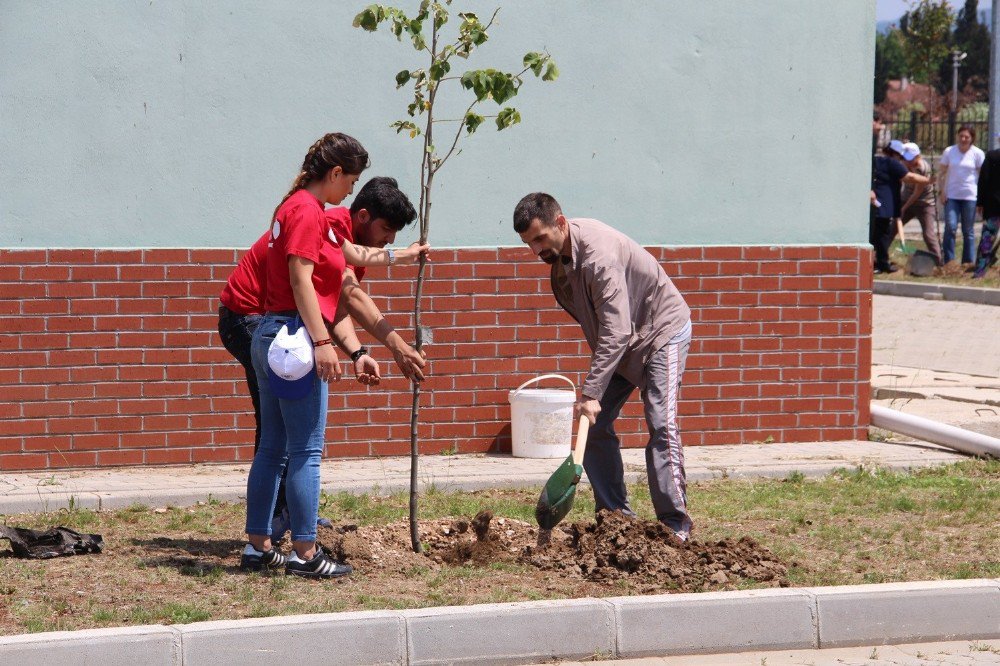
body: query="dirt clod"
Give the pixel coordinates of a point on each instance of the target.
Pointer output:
(481, 524)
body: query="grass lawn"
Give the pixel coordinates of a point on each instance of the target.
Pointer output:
(179, 565)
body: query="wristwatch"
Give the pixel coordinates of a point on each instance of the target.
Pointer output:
(392, 255)
(362, 351)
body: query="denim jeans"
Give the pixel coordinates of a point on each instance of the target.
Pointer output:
(236, 332)
(291, 433)
(956, 210)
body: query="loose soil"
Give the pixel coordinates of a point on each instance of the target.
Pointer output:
(612, 548)
(472, 559)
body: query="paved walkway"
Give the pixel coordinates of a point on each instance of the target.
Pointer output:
(972, 653)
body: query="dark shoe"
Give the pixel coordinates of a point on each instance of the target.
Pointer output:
(255, 560)
(320, 566)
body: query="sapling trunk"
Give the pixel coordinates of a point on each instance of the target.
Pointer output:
(486, 84)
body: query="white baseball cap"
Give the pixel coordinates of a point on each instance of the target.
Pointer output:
(896, 145)
(290, 361)
(910, 150)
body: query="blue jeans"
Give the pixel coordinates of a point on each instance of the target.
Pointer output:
(292, 434)
(955, 210)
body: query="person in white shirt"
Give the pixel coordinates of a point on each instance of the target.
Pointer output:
(960, 165)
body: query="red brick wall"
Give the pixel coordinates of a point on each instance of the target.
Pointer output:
(111, 357)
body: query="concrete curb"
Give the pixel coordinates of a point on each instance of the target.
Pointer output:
(937, 292)
(529, 632)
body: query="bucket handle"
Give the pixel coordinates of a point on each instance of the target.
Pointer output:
(541, 377)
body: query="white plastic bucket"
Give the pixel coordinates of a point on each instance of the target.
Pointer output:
(541, 420)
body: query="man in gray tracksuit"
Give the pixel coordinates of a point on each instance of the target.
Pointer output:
(639, 330)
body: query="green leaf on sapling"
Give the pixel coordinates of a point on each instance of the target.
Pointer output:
(502, 88)
(408, 126)
(551, 72)
(368, 18)
(535, 61)
(440, 15)
(507, 117)
(439, 69)
(473, 121)
(478, 81)
(402, 78)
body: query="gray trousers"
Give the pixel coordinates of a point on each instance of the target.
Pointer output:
(664, 455)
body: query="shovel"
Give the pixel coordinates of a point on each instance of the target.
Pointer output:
(557, 496)
(902, 239)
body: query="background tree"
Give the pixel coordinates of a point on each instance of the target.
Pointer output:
(972, 37)
(425, 31)
(926, 31)
(890, 62)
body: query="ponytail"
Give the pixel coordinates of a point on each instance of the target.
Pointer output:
(332, 150)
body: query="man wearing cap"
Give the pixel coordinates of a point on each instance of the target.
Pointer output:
(377, 213)
(639, 331)
(888, 173)
(919, 200)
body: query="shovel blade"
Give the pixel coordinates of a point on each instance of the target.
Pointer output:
(557, 496)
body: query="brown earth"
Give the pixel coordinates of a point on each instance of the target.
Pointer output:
(611, 548)
(169, 574)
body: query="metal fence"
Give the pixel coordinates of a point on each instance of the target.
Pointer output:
(933, 136)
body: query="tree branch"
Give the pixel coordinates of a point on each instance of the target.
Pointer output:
(492, 18)
(458, 120)
(454, 143)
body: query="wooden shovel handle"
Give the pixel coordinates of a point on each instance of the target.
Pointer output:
(581, 439)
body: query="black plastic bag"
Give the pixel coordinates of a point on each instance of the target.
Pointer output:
(54, 542)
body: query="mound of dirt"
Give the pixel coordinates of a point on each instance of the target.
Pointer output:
(617, 546)
(613, 547)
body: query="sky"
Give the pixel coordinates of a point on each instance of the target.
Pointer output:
(890, 10)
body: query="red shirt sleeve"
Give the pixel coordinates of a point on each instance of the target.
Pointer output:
(301, 232)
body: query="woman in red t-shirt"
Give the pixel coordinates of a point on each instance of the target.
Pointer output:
(303, 277)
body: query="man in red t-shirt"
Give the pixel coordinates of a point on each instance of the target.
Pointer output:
(378, 212)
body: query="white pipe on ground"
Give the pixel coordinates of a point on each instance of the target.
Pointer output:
(965, 441)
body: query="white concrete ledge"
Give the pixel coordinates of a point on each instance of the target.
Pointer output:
(907, 612)
(376, 637)
(516, 633)
(153, 645)
(946, 292)
(678, 624)
(530, 632)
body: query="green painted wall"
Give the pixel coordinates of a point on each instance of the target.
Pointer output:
(181, 123)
